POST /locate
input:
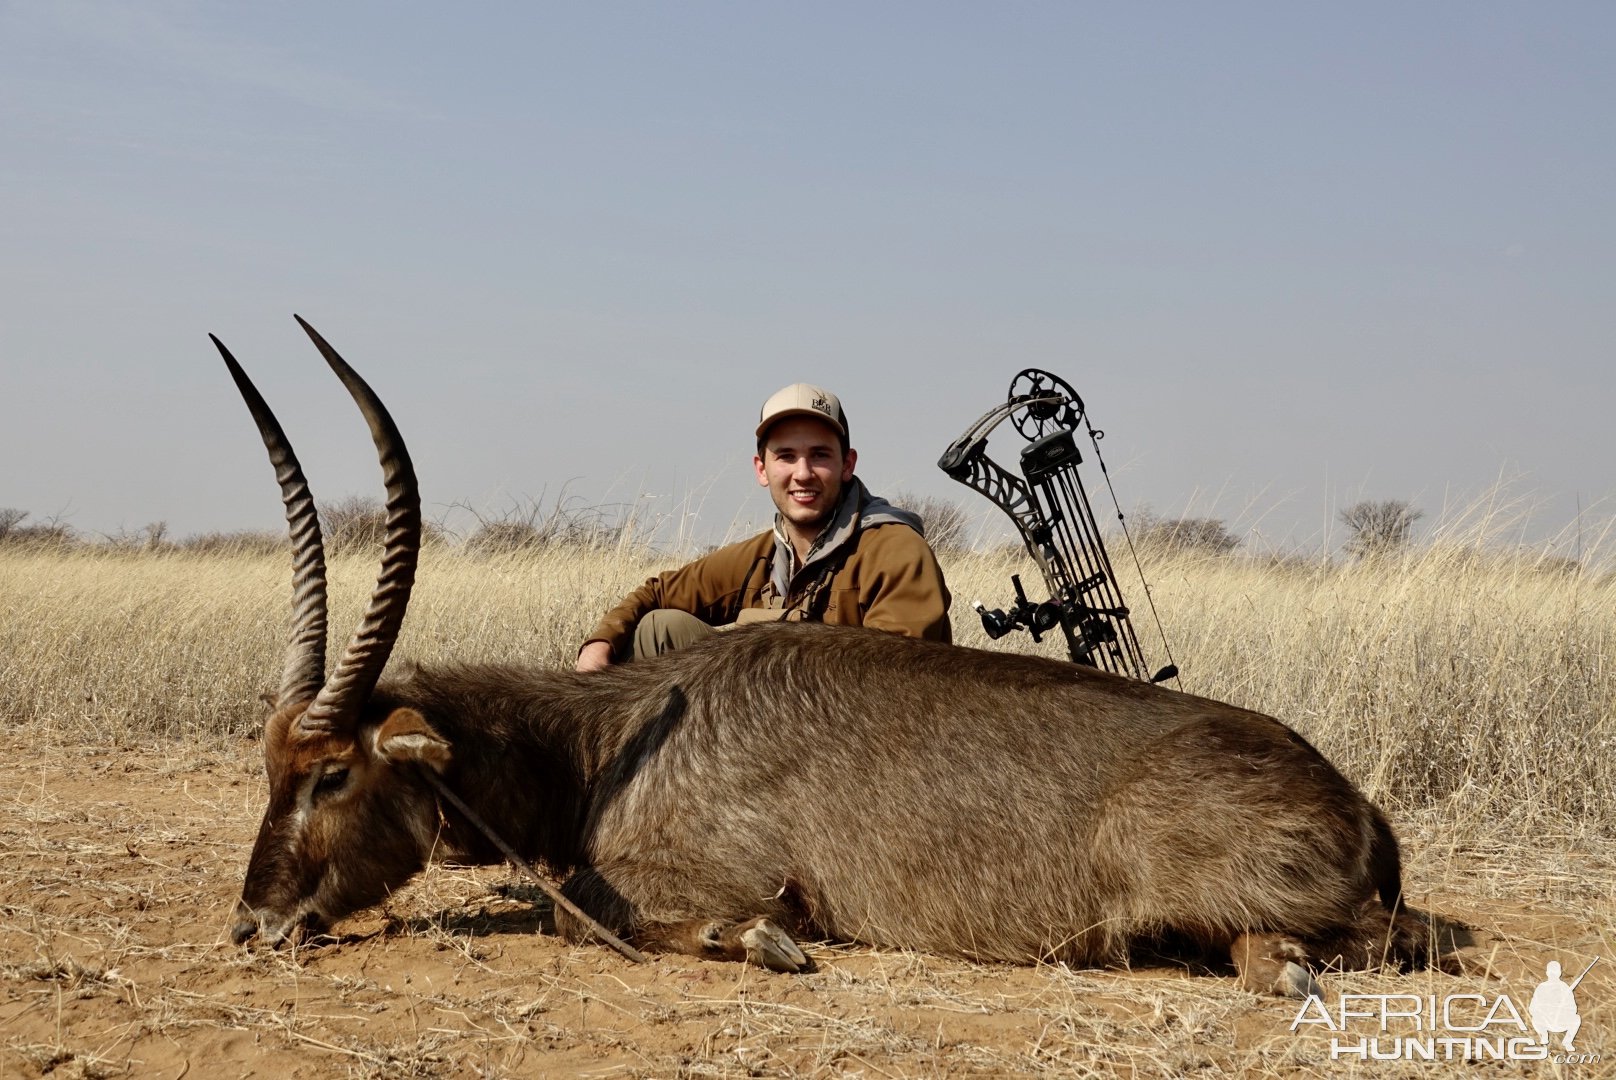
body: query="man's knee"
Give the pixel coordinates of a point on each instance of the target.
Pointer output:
(664, 630)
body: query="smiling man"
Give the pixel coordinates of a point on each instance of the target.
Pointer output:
(836, 554)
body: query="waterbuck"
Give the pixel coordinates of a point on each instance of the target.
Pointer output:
(801, 782)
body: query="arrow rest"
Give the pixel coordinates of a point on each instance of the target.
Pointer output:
(1050, 508)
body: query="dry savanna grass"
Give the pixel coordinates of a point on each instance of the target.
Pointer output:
(1472, 696)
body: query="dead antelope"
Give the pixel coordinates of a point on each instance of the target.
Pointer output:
(802, 782)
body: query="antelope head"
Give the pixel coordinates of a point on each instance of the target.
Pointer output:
(347, 820)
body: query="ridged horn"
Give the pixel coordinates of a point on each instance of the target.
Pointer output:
(337, 704)
(304, 671)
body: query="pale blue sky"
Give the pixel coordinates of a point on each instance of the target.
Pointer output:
(1291, 255)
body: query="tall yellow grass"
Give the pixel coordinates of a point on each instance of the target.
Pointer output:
(1442, 681)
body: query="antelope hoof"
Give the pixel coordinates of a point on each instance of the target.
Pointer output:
(771, 947)
(1295, 981)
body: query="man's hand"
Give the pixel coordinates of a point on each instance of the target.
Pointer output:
(594, 656)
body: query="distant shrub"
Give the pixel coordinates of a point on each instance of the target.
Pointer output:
(1198, 534)
(531, 528)
(239, 542)
(1562, 565)
(151, 537)
(946, 522)
(1292, 564)
(355, 523)
(358, 523)
(504, 537)
(50, 534)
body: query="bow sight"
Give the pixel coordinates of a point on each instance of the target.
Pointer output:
(1051, 511)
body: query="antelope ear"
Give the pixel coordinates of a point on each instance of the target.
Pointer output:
(405, 736)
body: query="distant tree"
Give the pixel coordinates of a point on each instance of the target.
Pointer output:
(945, 521)
(1379, 528)
(1202, 534)
(53, 533)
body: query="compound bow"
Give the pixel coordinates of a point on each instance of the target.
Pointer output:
(1051, 511)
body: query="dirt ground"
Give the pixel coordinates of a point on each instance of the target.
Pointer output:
(119, 865)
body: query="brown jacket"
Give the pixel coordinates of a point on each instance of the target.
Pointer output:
(885, 577)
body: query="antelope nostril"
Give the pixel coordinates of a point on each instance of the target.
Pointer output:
(243, 931)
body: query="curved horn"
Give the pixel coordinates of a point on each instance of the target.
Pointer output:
(338, 702)
(304, 671)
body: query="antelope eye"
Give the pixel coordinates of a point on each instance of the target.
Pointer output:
(330, 782)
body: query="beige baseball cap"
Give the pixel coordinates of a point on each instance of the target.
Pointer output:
(803, 399)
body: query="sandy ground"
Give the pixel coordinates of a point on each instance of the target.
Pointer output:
(118, 868)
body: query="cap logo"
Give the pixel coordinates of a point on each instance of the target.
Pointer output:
(802, 399)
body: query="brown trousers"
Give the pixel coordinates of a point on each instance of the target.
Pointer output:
(665, 629)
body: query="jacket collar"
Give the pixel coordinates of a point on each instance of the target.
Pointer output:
(857, 510)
